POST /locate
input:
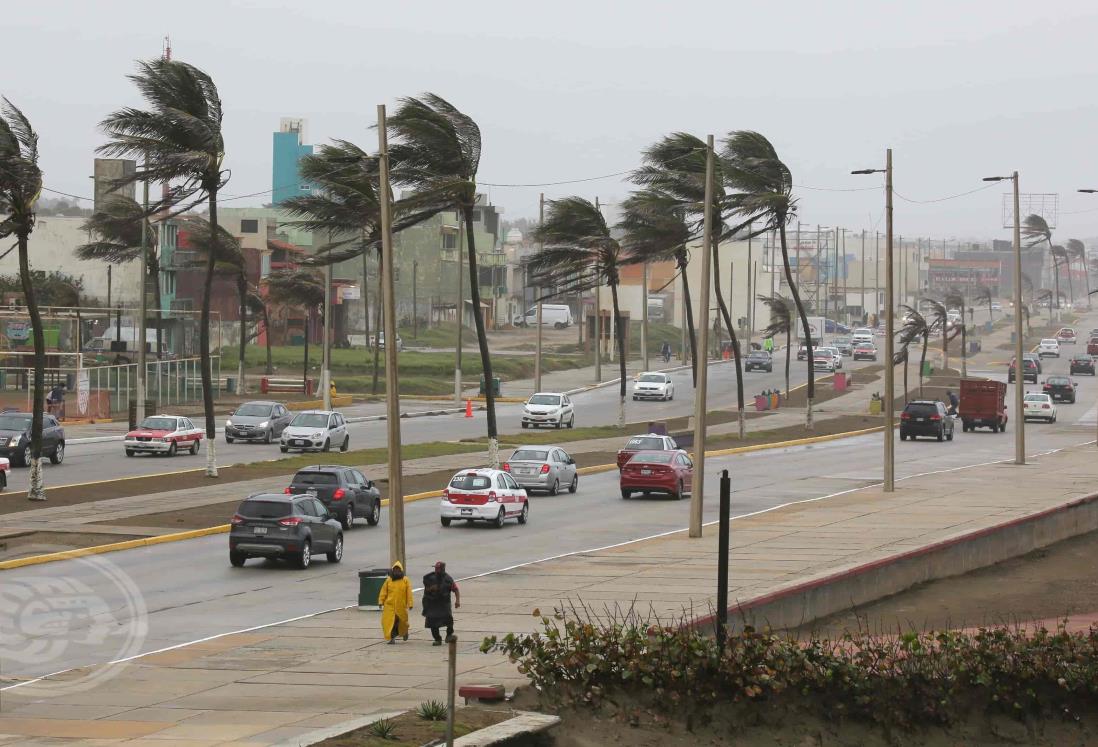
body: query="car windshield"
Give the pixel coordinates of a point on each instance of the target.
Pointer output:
(661, 458)
(264, 509)
(254, 411)
(1083, 358)
(1036, 398)
(842, 341)
(544, 399)
(529, 455)
(642, 443)
(471, 482)
(1048, 342)
(758, 354)
(316, 478)
(15, 422)
(921, 409)
(310, 420)
(652, 378)
(158, 424)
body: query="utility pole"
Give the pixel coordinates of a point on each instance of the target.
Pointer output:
(644, 314)
(460, 313)
(843, 271)
(877, 274)
(598, 317)
(865, 311)
(697, 490)
(750, 297)
(326, 368)
(820, 278)
(392, 374)
(537, 353)
(144, 300)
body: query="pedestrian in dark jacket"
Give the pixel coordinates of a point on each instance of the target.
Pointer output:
(437, 588)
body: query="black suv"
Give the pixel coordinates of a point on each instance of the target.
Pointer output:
(1060, 388)
(270, 525)
(1081, 364)
(343, 490)
(925, 418)
(1030, 369)
(15, 438)
(759, 360)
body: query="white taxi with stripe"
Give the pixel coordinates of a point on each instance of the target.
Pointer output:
(490, 495)
(163, 434)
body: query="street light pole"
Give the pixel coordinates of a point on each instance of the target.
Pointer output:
(326, 349)
(144, 300)
(865, 311)
(1086, 269)
(696, 492)
(460, 312)
(537, 354)
(598, 319)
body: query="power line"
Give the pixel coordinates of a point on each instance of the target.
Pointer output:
(944, 199)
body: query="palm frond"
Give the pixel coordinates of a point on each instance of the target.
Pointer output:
(760, 186)
(939, 315)
(578, 251)
(781, 315)
(20, 175)
(116, 229)
(1035, 230)
(301, 288)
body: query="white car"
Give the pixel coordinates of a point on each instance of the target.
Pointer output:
(1038, 406)
(163, 434)
(549, 408)
(315, 430)
(489, 495)
(1049, 348)
(653, 385)
(822, 361)
(835, 355)
(861, 334)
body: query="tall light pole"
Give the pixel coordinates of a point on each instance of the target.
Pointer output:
(144, 300)
(696, 491)
(1019, 375)
(537, 353)
(644, 314)
(326, 348)
(459, 307)
(598, 319)
(865, 311)
(1085, 268)
(889, 370)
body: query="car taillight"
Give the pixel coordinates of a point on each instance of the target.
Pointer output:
(492, 496)
(506, 467)
(237, 519)
(286, 491)
(935, 417)
(1047, 386)
(905, 416)
(545, 469)
(446, 493)
(1046, 407)
(291, 521)
(338, 494)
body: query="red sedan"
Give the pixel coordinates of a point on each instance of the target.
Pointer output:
(663, 472)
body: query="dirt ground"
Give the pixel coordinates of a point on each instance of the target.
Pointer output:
(409, 730)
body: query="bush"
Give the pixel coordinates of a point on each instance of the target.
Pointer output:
(432, 710)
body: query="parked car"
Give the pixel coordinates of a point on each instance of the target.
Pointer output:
(1066, 336)
(865, 351)
(1029, 371)
(344, 491)
(315, 430)
(844, 345)
(294, 527)
(1060, 388)
(543, 468)
(379, 340)
(663, 472)
(261, 420)
(802, 352)
(922, 417)
(549, 408)
(1039, 406)
(489, 495)
(758, 360)
(648, 442)
(822, 361)
(558, 316)
(163, 434)
(5, 468)
(996, 306)
(1048, 348)
(15, 438)
(982, 404)
(1082, 363)
(653, 385)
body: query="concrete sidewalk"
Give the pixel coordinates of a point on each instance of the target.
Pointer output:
(265, 686)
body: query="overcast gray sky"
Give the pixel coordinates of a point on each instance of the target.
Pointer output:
(564, 90)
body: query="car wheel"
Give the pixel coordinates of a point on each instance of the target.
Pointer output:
(572, 421)
(560, 423)
(228, 440)
(327, 444)
(634, 398)
(903, 436)
(283, 449)
(172, 449)
(236, 559)
(194, 448)
(500, 518)
(626, 494)
(445, 521)
(346, 443)
(305, 557)
(556, 487)
(348, 520)
(671, 396)
(941, 433)
(375, 514)
(3, 480)
(27, 456)
(949, 436)
(267, 437)
(336, 554)
(680, 493)
(525, 515)
(58, 454)
(129, 452)
(575, 484)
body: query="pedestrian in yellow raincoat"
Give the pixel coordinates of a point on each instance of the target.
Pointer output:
(395, 599)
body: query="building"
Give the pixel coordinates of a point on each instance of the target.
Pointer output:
(106, 172)
(289, 147)
(966, 275)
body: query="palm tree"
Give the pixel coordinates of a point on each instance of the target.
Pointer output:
(900, 355)
(781, 323)
(1078, 253)
(436, 153)
(1035, 229)
(915, 327)
(257, 307)
(577, 244)
(1044, 295)
(180, 141)
(761, 195)
(983, 295)
(20, 186)
(304, 289)
(956, 299)
(117, 231)
(938, 320)
(1061, 258)
(655, 229)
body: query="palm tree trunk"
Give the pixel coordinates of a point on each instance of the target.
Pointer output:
(242, 291)
(204, 344)
(907, 359)
(964, 351)
(35, 491)
(267, 336)
(811, 392)
(922, 362)
(788, 351)
(1055, 278)
(682, 260)
(1071, 284)
(731, 332)
(990, 311)
(1086, 274)
(377, 325)
(305, 371)
(482, 340)
(366, 301)
(621, 354)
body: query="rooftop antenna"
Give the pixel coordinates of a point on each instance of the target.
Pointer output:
(167, 47)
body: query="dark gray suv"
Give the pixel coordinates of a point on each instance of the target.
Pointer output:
(343, 490)
(294, 527)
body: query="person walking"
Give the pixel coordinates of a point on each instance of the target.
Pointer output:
(665, 351)
(437, 588)
(395, 599)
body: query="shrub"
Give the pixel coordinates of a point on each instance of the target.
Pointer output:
(432, 710)
(382, 729)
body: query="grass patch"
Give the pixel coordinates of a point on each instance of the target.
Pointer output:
(359, 457)
(553, 436)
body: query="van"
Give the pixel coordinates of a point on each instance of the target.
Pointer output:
(124, 342)
(557, 315)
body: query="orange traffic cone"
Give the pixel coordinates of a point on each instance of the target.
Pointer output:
(468, 408)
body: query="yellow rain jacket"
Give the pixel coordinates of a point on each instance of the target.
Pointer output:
(395, 599)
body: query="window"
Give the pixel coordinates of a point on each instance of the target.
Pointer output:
(319, 508)
(511, 482)
(470, 482)
(449, 240)
(305, 187)
(501, 482)
(315, 478)
(264, 509)
(249, 225)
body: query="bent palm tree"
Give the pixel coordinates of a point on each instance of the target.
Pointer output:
(577, 244)
(938, 321)
(1061, 258)
(983, 296)
(956, 300)
(1035, 230)
(303, 289)
(915, 327)
(781, 323)
(257, 306)
(900, 355)
(1077, 250)
(20, 186)
(180, 140)
(761, 195)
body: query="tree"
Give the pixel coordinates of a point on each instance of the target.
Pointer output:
(577, 244)
(1044, 295)
(435, 151)
(900, 355)
(915, 327)
(956, 300)
(781, 323)
(1077, 251)
(938, 320)
(117, 239)
(20, 187)
(1035, 230)
(257, 306)
(180, 141)
(761, 194)
(1061, 258)
(303, 289)
(983, 296)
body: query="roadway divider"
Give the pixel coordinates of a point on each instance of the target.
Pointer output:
(340, 400)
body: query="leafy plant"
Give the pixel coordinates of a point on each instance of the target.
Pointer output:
(432, 710)
(383, 728)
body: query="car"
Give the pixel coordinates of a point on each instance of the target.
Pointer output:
(1030, 371)
(923, 417)
(1038, 406)
(1082, 364)
(257, 421)
(835, 355)
(844, 345)
(861, 334)
(5, 468)
(15, 442)
(1036, 359)
(822, 361)
(549, 408)
(653, 385)
(315, 430)
(865, 351)
(996, 306)
(1092, 345)
(490, 495)
(802, 352)
(344, 491)
(559, 316)
(163, 434)
(663, 472)
(294, 527)
(647, 442)
(1093, 332)
(1066, 336)
(379, 340)
(1060, 388)
(1048, 348)
(546, 468)
(758, 360)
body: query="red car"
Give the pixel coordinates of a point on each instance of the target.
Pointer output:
(649, 442)
(663, 472)
(1092, 346)
(1066, 336)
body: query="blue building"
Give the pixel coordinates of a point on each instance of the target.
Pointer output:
(288, 150)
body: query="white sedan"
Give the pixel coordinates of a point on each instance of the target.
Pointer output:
(490, 495)
(653, 385)
(549, 408)
(1038, 406)
(163, 434)
(1049, 347)
(822, 361)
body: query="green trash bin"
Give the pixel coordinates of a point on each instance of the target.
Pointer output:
(928, 369)
(369, 586)
(495, 386)
(230, 384)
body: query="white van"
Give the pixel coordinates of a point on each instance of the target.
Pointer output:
(862, 334)
(557, 315)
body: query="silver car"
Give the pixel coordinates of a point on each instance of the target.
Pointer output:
(547, 468)
(315, 430)
(261, 420)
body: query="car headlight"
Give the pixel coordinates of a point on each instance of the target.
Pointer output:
(14, 441)
(264, 424)
(317, 435)
(228, 424)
